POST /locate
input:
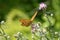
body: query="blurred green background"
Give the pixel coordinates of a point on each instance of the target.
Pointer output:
(11, 11)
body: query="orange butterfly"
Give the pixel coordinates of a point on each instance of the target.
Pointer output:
(26, 22)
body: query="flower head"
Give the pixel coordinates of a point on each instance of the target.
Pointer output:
(51, 14)
(18, 33)
(42, 6)
(2, 22)
(8, 37)
(56, 32)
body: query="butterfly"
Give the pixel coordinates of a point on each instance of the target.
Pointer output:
(26, 22)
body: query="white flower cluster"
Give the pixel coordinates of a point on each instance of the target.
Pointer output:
(18, 35)
(38, 30)
(35, 27)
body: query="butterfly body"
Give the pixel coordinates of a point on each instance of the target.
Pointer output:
(25, 22)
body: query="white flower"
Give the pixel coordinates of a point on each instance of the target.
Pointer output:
(38, 25)
(42, 5)
(56, 32)
(8, 36)
(32, 36)
(51, 14)
(18, 33)
(44, 30)
(2, 22)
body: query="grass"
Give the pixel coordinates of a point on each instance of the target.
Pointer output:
(15, 26)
